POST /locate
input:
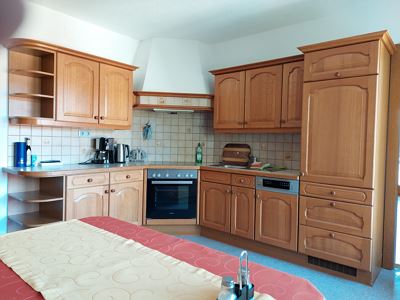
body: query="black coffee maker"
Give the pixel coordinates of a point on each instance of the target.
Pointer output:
(104, 151)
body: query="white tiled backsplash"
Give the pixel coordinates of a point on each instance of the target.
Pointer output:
(175, 137)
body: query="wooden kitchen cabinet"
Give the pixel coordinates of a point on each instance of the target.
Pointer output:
(266, 96)
(126, 201)
(341, 62)
(276, 219)
(215, 206)
(335, 215)
(77, 89)
(229, 100)
(338, 131)
(337, 247)
(87, 202)
(292, 94)
(263, 97)
(242, 212)
(115, 96)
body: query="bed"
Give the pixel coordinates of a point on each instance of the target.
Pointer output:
(278, 284)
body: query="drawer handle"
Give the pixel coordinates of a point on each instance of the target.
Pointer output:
(337, 74)
(101, 118)
(333, 204)
(112, 191)
(90, 180)
(258, 196)
(96, 117)
(106, 191)
(241, 180)
(128, 176)
(333, 193)
(332, 235)
(301, 173)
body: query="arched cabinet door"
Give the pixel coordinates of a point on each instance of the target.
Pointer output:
(263, 97)
(292, 94)
(215, 203)
(77, 89)
(338, 131)
(126, 201)
(276, 219)
(229, 101)
(115, 97)
(242, 212)
(87, 202)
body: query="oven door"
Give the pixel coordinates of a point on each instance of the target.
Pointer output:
(171, 199)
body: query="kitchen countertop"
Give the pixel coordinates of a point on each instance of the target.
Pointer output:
(73, 169)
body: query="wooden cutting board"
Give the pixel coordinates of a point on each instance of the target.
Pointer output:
(236, 154)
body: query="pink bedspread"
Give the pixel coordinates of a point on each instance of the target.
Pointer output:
(275, 283)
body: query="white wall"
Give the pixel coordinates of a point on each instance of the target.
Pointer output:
(53, 27)
(172, 65)
(357, 17)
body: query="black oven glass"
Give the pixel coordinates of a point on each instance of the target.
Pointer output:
(171, 199)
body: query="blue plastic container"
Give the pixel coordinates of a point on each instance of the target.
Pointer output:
(20, 154)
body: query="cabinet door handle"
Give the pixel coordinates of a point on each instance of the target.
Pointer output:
(96, 117)
(228, 191)
(101, 118)
(106, 191)
(128, 176)
(333, 204)
(333, 193)
(258, 196)
(90, 180)
(332, 235)
(112, 191)
(301, 173)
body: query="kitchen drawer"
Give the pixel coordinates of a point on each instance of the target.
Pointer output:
(217, 177)
(337, 247)
(342, 62)
(126, 176)
(332, 192)
(78, 181)
(243, 180)
(338, 216)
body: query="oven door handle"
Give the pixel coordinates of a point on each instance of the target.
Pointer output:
(172, 182)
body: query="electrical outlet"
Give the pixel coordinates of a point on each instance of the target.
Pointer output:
(84, 133)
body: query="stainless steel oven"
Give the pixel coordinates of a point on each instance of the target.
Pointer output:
(171, 194)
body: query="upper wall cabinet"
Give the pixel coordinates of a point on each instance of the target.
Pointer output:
(262, 97)
(56, 86)
(78, 89)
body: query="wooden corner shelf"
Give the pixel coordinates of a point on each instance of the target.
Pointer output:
(31, 73)
(32, 96)
(35, 197)
(33, 219)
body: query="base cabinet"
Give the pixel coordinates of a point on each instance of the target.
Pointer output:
(126, 201)
(215, 206)
(276, 219)
(87, 202)
(116, 194)
(242, 212)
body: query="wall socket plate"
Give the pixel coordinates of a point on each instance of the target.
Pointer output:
(84, 133)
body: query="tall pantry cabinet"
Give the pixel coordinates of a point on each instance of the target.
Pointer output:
(344, 124)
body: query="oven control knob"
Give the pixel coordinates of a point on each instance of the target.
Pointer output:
(179, 175)
(187, 175)
(167, 175)
(159, 175)
(154, 175)
(191, 175)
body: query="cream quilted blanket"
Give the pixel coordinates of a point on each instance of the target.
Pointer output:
(74, 260)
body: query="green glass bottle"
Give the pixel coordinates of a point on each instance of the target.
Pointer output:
(199, 154)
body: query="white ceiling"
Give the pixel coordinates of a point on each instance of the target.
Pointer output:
(208, 21)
